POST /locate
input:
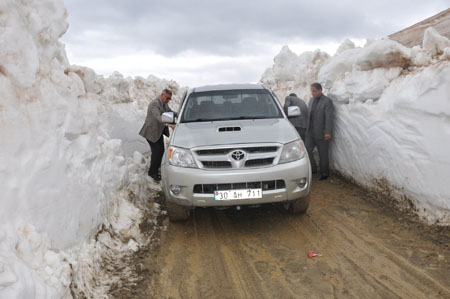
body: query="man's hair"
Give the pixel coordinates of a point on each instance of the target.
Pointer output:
(292, 95)
(317, 86)
(166, 91)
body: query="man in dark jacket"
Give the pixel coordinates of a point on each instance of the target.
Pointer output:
(320, 127)
(299, 122)
(153, 130)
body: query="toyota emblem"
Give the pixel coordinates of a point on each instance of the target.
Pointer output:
(238, 155)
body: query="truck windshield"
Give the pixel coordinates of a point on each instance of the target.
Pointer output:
(230, 105)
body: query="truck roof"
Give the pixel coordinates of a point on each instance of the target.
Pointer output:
(227, 87)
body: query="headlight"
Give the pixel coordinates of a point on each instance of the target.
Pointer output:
(181, 157)
(292, 151)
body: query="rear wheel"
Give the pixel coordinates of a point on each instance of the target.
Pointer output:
(298, 206)
(176, 212)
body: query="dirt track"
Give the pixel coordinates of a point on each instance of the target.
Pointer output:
(368, 251)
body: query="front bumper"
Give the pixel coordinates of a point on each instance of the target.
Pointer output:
(187, 178)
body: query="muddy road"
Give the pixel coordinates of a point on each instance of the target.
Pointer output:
(369, 251)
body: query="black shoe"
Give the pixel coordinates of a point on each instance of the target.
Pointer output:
(155, 177)
(323, 177)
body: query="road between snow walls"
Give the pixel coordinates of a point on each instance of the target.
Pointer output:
(76, 201)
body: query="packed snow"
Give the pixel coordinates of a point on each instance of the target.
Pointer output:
(68, 160)
(392, 127)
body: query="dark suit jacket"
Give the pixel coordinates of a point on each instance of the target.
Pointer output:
(321, 120)
(153, 126)
(299, 121)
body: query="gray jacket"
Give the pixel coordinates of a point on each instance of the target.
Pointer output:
(321, 120)
(153, 126)
(299, 121)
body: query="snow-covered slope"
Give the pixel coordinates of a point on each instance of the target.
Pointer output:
(62, 175)
(392, 130)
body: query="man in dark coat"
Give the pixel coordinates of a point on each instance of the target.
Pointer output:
(153, 130)
(320, 128)
(299, 122)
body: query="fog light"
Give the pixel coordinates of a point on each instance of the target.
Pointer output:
(302, 182)
(175, 189)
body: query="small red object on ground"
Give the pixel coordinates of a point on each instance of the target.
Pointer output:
(311, 254)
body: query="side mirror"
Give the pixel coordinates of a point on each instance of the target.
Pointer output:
(168, 117)
(293, 111)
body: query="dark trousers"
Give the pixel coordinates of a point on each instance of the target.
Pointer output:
(322, 147)
(301, 132)
(157, 154)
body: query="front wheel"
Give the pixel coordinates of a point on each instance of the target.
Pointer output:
(298, 206)
(176, 212)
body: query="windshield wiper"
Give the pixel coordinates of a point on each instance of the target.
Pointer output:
(249, 117)
(202, 120)
(226, 119)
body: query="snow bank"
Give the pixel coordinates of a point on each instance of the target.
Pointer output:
(63, 175)
(392, 130)
(106, 262)
(292, 72)
(125, 117)
(126, 101)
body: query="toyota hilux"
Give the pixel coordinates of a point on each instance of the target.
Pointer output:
(233, 145)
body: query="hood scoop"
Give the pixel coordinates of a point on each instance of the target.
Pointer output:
(229, 129)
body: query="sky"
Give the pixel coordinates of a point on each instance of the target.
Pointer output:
(199, 42)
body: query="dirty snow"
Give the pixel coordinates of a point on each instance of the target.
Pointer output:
(66, 169)
(104, 262)
(392, 130)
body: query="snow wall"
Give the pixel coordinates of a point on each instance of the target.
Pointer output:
(65, 134)
(392, 126)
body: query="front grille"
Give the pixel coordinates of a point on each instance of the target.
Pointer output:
(216, 164)
(221, 151)
(262, 149)
(265, 185)
(220, 158)
(225, 151)
(259, 162)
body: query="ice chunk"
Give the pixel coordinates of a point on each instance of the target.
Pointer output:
(337, 67)
(346, 45)
(421, 57)
(446, 54)
(383, 53)
(433, 42)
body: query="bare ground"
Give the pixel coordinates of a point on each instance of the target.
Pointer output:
(369, 250)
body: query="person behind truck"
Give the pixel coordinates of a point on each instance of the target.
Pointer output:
(299, 122)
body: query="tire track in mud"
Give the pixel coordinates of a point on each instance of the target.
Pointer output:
(389, 268)
(262, 253)
(248, 262)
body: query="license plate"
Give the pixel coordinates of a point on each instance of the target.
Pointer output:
(238, 194)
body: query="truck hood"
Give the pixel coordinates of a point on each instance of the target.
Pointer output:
(189, 135)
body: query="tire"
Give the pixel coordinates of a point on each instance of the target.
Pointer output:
(176, 212)
(299, 206)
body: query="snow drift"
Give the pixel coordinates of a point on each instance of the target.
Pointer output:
(62, 172)
(392, 128)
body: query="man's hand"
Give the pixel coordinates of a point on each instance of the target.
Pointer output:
(327, 137)
(172, 126)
